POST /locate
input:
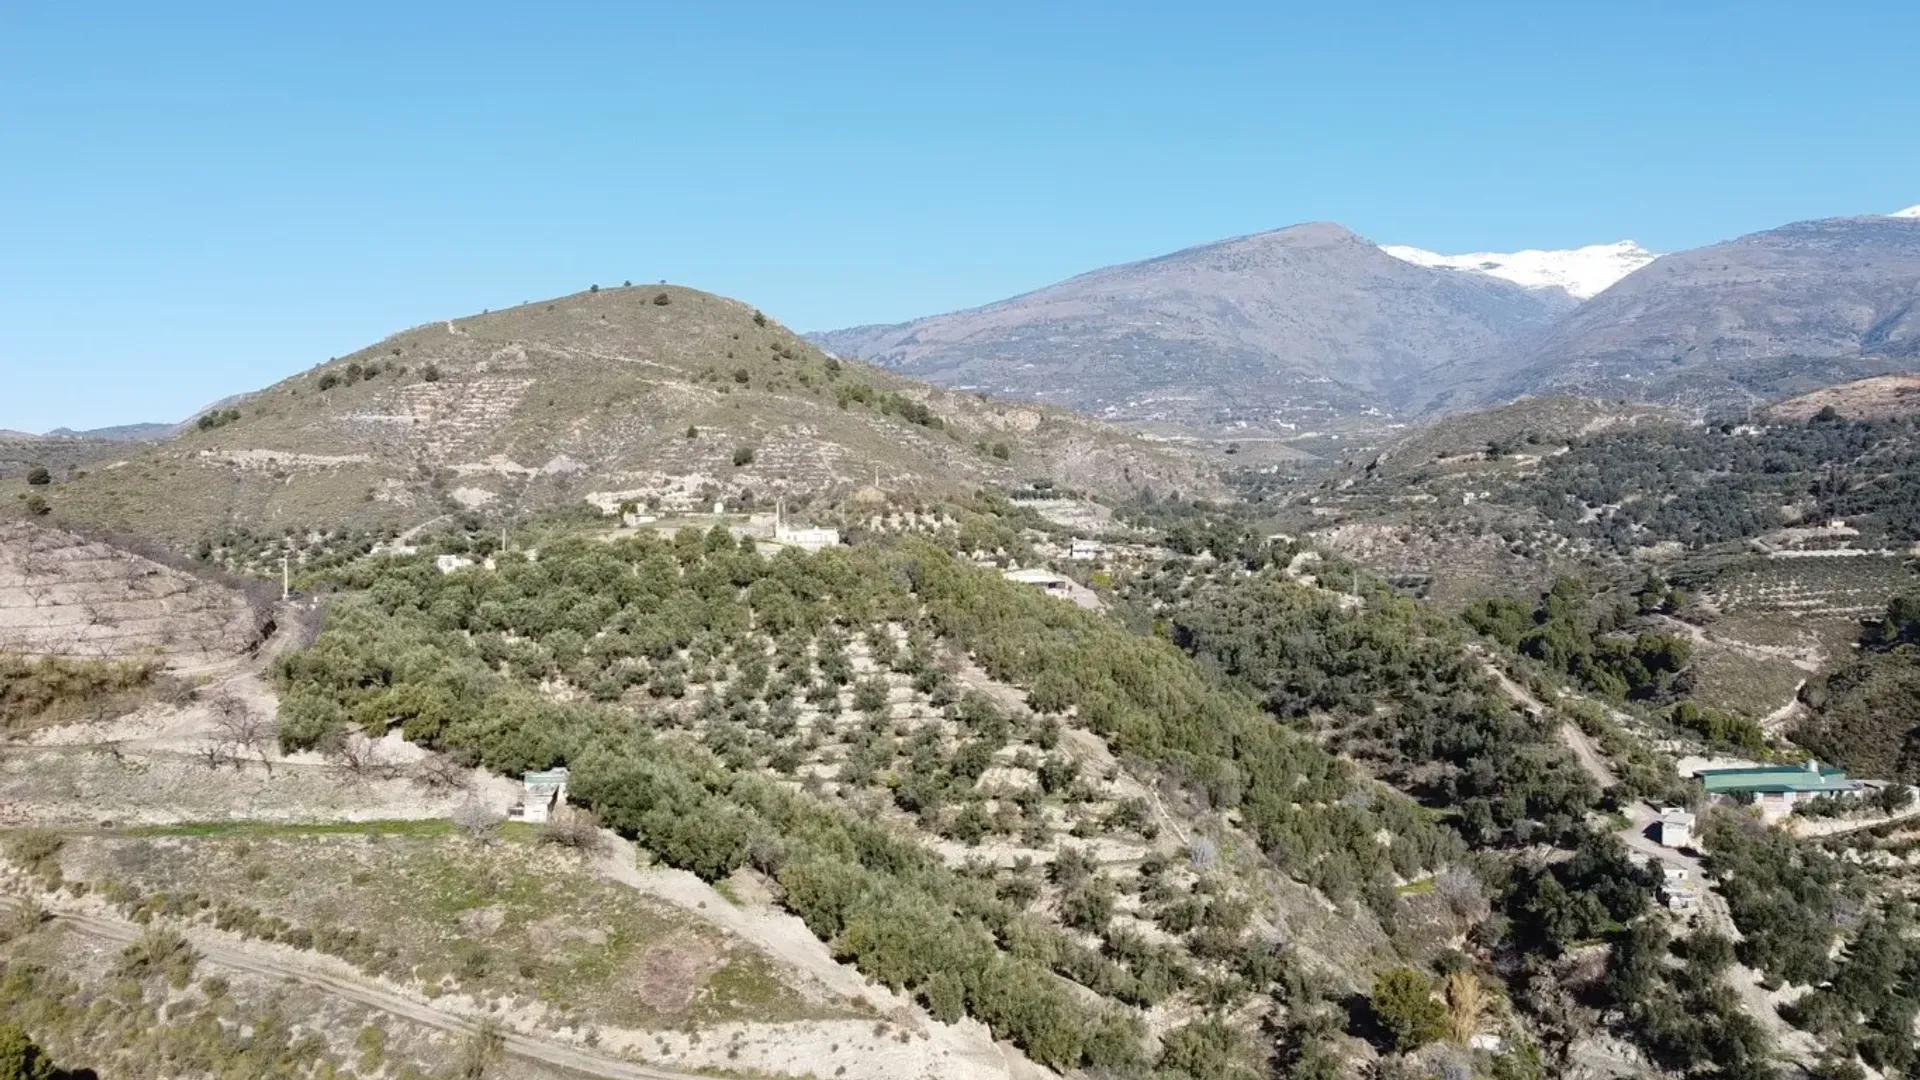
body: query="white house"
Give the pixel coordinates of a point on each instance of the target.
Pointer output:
(449, 563)
(1676, 827)
(803, 537)
(1040, 578)
(1085, 550)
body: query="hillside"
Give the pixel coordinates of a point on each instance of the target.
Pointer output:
(60, 455)
(1292, 326)
(1767, 314)
(661, 396)
(65, 596)
(1878, 398)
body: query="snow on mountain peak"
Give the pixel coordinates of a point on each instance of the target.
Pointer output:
(1579, 272)
(1909, 212)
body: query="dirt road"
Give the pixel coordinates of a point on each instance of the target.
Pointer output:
(572, 1059)
(1589, 756)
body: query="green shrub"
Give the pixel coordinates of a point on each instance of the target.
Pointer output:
(1404, 1003)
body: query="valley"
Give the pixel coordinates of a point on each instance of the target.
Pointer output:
(911, 731)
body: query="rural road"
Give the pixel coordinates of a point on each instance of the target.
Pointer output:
(571, 1059)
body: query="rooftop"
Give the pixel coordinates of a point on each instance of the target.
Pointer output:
(1776, 778)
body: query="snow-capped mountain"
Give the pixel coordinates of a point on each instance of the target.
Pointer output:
(1580, 272)
(1910, 212)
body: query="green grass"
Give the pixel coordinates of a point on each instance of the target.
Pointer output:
(429, 827)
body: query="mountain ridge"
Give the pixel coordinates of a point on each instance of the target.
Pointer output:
(1311, 326)
(1306, 322)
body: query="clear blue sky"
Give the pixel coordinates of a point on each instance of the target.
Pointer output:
(197, 199)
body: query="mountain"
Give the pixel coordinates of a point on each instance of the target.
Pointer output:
(1580, 273)
(133, 433)
(1293, 326)
(655, 395)
(1775, 312)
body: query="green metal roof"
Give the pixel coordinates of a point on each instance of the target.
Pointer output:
(1777, 778)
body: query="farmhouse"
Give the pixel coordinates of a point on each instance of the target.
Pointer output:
(1777, 789)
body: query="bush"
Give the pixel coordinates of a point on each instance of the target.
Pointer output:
(36, 506)
(742, 456)
(22, 1059)
(160, 951)
(662, 299)
(218, 418)
(38, 476)
(575, 830)
(1403, 1002)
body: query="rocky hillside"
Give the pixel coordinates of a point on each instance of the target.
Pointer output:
(661, 396)
(1287, 326)
(1772, 313)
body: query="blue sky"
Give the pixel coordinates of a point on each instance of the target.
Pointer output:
(200, 199)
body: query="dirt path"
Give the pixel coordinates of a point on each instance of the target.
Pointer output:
(583, 1062)
(1589, 755)
(1773, 721)
(1811, 829)
(967, 1049)
(1718, 918)
(1804, 658)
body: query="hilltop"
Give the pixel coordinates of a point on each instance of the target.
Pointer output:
(660, 396)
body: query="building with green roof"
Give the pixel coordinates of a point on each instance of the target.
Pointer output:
(1778, 788)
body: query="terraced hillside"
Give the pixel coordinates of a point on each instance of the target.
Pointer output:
(659, 396)
(62, 595)
(1782, 533)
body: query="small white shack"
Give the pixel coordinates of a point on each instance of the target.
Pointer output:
(545, 794)
(1676, 827)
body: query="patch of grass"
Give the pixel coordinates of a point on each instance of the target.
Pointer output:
(427, 827)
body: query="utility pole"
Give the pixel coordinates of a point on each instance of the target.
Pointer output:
(286, 577)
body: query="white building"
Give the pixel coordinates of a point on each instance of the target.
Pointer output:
(1085, 550)
(449, 563)
(805, 538)
(546, 793)
(1676, 827)
(1039, 578)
